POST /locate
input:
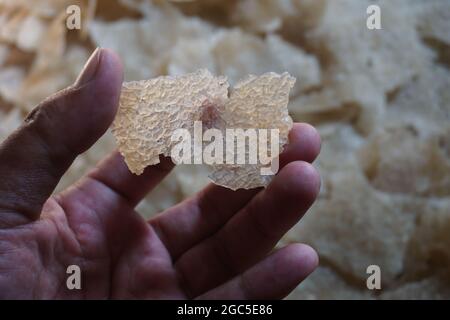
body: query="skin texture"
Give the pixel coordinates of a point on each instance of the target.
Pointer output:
(217, 244)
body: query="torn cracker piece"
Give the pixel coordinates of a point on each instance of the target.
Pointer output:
(151, 110)
(257, 102)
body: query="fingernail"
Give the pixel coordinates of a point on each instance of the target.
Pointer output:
(90, 68)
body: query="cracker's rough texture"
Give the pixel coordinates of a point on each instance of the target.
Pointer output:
(259, 103)
(151, 110)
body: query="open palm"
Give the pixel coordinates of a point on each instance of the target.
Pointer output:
(217, 244)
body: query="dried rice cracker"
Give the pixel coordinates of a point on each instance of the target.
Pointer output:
(342, 101)
(427, 253)
(339, 144)
(43, 8)
(9, 121)
(145, 54)
(179, 44)
(31, 33)
(433, 19)
(431, 288)
(26, 23)
(11, 79)
(354, 226)
(45, 79)
(262, 15)
(378, 54)
(400, 160)
(236, 54)
(4, 52)
(423, 102)
(150, 111)
(362, 65)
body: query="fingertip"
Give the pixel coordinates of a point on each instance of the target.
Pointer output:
(109, 77)
(308, 137)
(76, 117)
(92, 106)
(298, 180)
(292, 264)
(304, 143)
(272, 278)
(111, 65)
(288, 197)
(303, 258)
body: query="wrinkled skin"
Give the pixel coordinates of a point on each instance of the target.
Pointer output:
(217, 244)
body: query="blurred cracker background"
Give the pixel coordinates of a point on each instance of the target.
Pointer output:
(380, 99)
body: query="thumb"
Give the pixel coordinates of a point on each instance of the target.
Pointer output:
(34, 157)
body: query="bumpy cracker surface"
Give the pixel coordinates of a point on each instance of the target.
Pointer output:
(151, 110)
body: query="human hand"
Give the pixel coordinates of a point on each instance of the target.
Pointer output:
(216, 244)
